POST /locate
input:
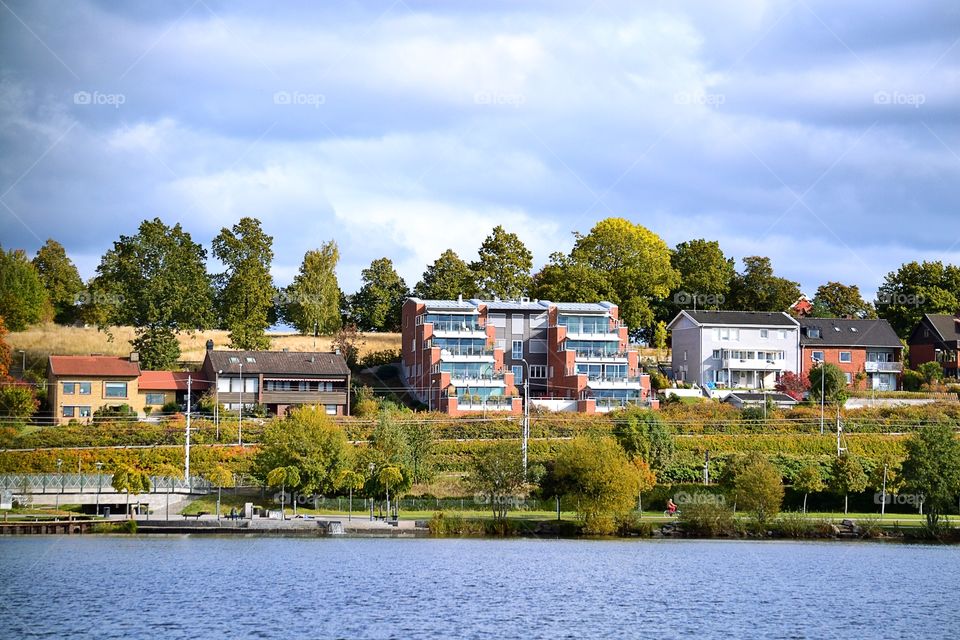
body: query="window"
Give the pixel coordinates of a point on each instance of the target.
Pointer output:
(716, 354)
(845, 356)
(538, 371)
(115, 389)
(68, 412)
(331, 409)
(84, 388)
(684, 356)
(234, 360)
(83, 412)
(813, 332)
(156, 398)
(517, 351)
(251, 359)
(782, 334)
(517, 374)
(764, 333)
(69, 388)
(848, 376)
(816, 356)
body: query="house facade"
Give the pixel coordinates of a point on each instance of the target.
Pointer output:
(278, 380)
(475, 355)
(80, 385)
(158, 388)
(734, 349)
(936, 339)
(867, 351)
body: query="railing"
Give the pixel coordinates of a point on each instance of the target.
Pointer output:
(469, 351)
(609, 404)
(883, 367)
(752, 364)
(466, 379)
(458, 327)
(500, 403)
(91, 482)
(599, 353)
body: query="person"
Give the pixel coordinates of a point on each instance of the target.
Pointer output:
(233, 513)
(671, 507)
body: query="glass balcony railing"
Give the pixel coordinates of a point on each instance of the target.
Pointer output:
(458, 327)
(466, 351)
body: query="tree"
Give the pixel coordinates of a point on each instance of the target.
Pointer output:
(5, 354)
(421, 442)
(794, 385)
(17, 400)
(646, 480)
(758, 289)
(809, 480)
(389, 448)
(157, 282)
(130, 480)
(932, 469)
(759, 488)
(848, 476)
(497, 474)
(503, 269)
(281, 477)
(378, 306)
(596, 475)
(834, 383)
(446, 279)
(842, 301)
(931, 372)
(348, 341)
(23, 299)
(309, 441)
(312, 301)
(568, 280)
(642, 433)
(245, 289)
(705, 275)
(60, 279)
(917, 288)
(221, 477)
(658, 339)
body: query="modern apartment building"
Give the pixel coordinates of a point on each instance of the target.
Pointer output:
(475, 355)
(734, 349)
(867, 351)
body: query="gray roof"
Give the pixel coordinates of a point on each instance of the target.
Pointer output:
(734, 318)
(843, 332)
(321, 363)
(584, 307)
(948, 326)
(459, 305)
(513, 305)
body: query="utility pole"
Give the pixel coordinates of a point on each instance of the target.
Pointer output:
(883, 494)
(240, 421)
(186, 452)
(526, 414)
(706, 468)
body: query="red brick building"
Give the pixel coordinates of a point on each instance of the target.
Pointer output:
(867, 351)
(936, 339)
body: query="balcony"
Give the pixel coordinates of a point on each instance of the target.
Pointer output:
(496, 403)
(459, 329)
(467, 355)
(598, 355)
(605, 405)
(883, 367)
(746, 364)
(494, 379)
(624, 382)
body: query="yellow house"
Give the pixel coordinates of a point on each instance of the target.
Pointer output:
(80, 385)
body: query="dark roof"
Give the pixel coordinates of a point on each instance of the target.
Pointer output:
(761, 397)
(759, 318)
(948, 326)
(94, 366)
(842, 332)
(279, 362)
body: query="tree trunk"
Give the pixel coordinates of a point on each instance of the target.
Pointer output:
(846, 500)
(219, 489)
(805, 503)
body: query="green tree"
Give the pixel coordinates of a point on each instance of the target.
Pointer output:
(932, 469)
(646, 481)
(834, 383)
(759, 488)
(23, 299)
(497, 475)
(809, 480)
(60, 279)
(446, 279)
(220, 477)
(917, 288)
(245, 289)
(596, 475)
(283, 477)
(130, 480)
(848, 477)
(5, 354)
(643, 433)
(310, 442)
(157, 282)
(504, 266)
(931, 372)
(421, 443)
(705, 274)
(378, 306)
(658, 339)
(758, 289)
(17, 401)
(838, 300)
(567, 280)
(312, 301)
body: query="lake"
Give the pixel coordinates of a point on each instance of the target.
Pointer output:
(260, 587)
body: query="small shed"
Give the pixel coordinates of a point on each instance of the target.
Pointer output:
(742, 399)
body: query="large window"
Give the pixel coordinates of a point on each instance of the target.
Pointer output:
(115, 389)
(156, 398)
(538, 371)
(517, 374)
(69, 412)
(69, 388)
(454, 322)
(846, 356)
(816, 356)
(83, 412)
(585, 324)
(592, 348)
(84, 388)
(517, 351)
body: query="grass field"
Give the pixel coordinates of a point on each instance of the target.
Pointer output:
(42, 340)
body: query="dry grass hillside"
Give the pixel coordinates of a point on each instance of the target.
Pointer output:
(46, 339)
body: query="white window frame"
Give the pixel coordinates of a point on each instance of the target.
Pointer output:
(517, 373)
(764, 333)
(126, 389)
(814, 358)
(849, 357)
(513, 349)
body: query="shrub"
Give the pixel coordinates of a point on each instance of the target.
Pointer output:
(710, 519)
(380, 358)
(912, 380)
(794, 525)
(170, 407)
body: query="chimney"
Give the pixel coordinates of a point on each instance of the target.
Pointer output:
(134, 356)
(460, 298)
(210, 344)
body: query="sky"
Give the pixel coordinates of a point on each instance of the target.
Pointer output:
(824, 135)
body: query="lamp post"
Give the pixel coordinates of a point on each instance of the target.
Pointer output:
(23, 362)
(99, 485)
(526, 413)
(819, 362)
(59, 464)
(240, 421)
(370, 468)
(216, 404)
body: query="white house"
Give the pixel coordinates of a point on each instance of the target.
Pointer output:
(734, 349)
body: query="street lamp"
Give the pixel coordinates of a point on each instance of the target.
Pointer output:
(23, 362)
(59, 464)
(216, 404)
(99, 485)
(820, 364)
(371, 467)
(240, 421)
(526, 413)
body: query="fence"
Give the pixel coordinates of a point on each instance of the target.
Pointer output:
(100, 483)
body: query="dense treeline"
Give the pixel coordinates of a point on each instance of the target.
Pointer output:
(156, 280)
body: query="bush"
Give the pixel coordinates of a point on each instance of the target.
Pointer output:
(912, 380)
(104, 414)
(793, 524)
(379, 358)
(708, 519)
(170, 408)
